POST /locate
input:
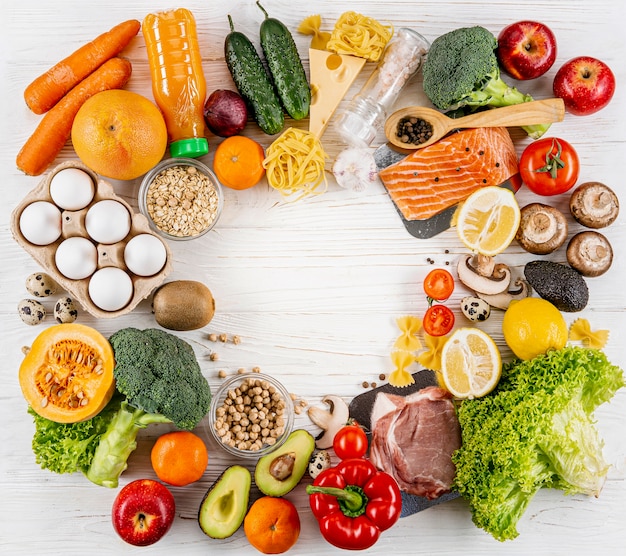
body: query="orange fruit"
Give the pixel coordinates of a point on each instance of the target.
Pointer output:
(272, 525)
(119, 134)
(179, 458)
(238, 162)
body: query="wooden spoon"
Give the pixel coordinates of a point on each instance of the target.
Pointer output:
(527, 113)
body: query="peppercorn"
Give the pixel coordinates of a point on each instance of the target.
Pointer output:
(414, 130)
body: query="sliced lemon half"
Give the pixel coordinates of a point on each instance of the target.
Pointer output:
(488, 220)
(470, 363)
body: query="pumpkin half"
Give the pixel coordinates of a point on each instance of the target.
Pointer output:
(67, 375)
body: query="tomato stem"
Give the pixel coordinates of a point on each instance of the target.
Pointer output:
(554, 162)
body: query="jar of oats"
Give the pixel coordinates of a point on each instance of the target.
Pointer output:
(181, 198)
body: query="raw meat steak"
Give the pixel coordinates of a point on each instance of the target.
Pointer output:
(413, 438)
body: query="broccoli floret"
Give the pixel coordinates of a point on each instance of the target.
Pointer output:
(158, 372)
(535, 430)
(461, 69)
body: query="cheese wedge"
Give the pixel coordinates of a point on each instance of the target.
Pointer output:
(331, 77)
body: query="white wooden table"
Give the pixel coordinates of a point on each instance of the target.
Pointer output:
(313, 288)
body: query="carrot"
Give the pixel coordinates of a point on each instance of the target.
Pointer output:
(55, 128)
(45, 91)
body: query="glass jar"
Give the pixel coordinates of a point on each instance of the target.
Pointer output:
(359, 124)
(178, 82)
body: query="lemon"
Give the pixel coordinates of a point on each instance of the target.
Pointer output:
(532, 326)
(488, 220)
(470, 363)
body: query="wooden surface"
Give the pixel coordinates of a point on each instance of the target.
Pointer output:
(312, 288)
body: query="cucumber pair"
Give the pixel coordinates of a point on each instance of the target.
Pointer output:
(266, 96)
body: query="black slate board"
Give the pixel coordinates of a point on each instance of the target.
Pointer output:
(361, 410)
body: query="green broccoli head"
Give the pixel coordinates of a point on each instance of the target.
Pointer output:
(459, 65)
(158, 373)
(462, 69)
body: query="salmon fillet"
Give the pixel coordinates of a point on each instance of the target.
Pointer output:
(434, 178)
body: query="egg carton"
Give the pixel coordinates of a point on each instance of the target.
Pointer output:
(73, 224)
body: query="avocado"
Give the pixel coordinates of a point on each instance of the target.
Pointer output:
(225, 504)
(559, 284)
(279, 472)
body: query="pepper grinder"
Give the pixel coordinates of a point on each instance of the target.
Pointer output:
(359, 124)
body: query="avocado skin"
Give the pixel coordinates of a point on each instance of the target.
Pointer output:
(301, 443)
(234, 479)
(561, 285)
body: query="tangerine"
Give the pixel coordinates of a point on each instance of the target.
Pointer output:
(238, 162)
(119, 134)
(272, 525)
(179, 458)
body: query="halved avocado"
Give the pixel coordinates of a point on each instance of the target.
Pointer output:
(225, 504)
(279, 472)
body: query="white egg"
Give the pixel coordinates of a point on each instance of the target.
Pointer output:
(145, 255)
(110, 288)
(76, 258)
(40, 223)
(107, 221)
(72, 189)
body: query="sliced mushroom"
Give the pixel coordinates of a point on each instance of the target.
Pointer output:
(590, 253)
(503, 299)
(496, 282)
(594, 205)
(329, 421)
(542, 229)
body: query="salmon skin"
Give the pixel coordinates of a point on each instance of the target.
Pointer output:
(431, 180)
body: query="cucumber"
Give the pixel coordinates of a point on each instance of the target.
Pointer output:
(285, 67)
(253, 82)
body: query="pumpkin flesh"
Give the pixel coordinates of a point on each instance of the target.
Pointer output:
(67, 375)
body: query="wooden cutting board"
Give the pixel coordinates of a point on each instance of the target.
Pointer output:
(361, 410)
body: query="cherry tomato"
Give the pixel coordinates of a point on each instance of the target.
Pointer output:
(438, 320)
(350, 442)
(439, 284)
(549, 166)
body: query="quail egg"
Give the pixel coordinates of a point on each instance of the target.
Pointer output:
(475, 309)
(31, 311)
(65, 310)
(40, 284)
(320, 461)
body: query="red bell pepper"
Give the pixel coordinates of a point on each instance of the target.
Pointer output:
(353, 503)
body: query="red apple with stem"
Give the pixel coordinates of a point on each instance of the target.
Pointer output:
(585, 84)
(526, 49)
(143, 511)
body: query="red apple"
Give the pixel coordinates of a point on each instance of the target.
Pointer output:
(225, 113)
(143, 512)
(526, 49)
(585, 84)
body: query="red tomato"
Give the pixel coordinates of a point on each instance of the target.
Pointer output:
(438, 320)
(439, 284)
(549, 166)
(350, 442)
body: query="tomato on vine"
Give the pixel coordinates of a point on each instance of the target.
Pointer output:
(350, 441)
(438, 284)
(549, 166)
(438, 320)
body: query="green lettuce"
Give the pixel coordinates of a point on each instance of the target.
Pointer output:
(535, 430)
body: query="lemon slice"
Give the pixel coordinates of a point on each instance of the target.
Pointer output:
(470, 363)
(488, 220)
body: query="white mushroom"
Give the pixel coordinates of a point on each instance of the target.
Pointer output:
(329, 421)
(503, 299)
(496, 282)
